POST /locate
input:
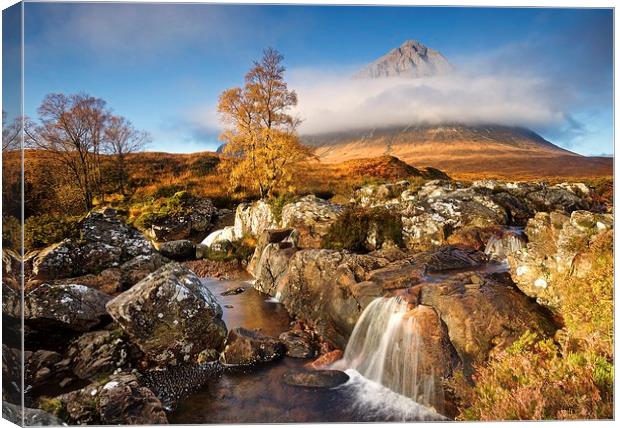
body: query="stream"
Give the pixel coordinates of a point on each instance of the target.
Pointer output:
(260, 396)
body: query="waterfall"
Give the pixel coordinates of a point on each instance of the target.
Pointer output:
(385, 347)
(499, 247)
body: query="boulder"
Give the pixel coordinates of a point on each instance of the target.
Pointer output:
(171, 315)
(431, 220)
(106, 242)
(120, 400)
(219, 238)
(195, 219)
(25, 416)
(43, 368)
(373, 195)
(253, 218)
(312, 218)
(554, 252)
(108, 281)
(105, 226)
(450, 257)
(139, 267)
(315, 378)
(269, 266)
(180, 250)
(11, 371)
(482, 312)
(287, 237)
(71, 306)
(299, 344)
(248, 347)
(100, 353)
(326, 289)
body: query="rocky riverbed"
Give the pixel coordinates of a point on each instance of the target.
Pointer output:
(435, 278)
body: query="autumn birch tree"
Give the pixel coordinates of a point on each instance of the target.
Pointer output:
(262, 149)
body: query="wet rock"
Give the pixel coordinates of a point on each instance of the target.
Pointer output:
(178, 250)
(311, 217)
(233, 291)
(170, 315)
(71, 306)
(326, 360)
(299, 344)
(248, 347)
(173, 383)
(31, 417)
(473, 237)
(196, 218)
(554, 252)
(315, 378)
(99, 353)
(119, 400)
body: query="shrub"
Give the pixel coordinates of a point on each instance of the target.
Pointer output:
(150, 213)
(277, 204)
(534, 379)
(11, 232)
(351, 231)
(43, 230)
(168, 191)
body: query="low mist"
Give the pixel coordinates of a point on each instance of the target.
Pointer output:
(340, 103)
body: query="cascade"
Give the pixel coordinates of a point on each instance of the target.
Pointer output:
(499, 247)
(385, 347)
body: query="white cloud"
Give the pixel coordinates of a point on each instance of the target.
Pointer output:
(339, 103)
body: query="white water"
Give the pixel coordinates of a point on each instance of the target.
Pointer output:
(498, 248)
(385, 348)
(375, 401)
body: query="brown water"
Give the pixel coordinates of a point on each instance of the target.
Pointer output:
(259, 395)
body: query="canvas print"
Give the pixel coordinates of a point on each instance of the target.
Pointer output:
(232, 213)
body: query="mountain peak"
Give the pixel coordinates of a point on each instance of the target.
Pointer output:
(411, 60)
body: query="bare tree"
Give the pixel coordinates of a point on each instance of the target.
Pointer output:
(121, 139)
(72, 128)
(11, 133)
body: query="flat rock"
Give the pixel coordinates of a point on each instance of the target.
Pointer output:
(315, 378)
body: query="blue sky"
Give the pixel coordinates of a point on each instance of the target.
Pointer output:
(164, 65)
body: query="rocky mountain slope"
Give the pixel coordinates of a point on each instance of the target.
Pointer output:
(411, 59)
